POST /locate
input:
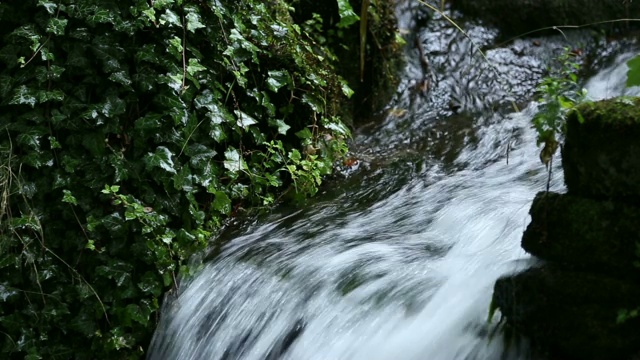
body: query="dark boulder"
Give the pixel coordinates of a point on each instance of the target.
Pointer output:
(572, 315)
(584, 234)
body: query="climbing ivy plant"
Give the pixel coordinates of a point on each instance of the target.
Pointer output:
(132, 129)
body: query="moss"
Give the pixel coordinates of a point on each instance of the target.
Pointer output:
(616, 112)
(601, 156)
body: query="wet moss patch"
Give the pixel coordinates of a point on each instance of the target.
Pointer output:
(601, 155)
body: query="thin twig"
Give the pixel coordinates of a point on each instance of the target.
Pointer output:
(557, 27)
(36, 52)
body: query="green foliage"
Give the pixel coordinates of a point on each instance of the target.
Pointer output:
(560, 94)
(625, 315)
(134, 129)
(633, 74)
(347, 15)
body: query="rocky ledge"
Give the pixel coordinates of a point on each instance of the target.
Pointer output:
(589, 240)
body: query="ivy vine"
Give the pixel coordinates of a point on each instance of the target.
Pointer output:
(133, 129)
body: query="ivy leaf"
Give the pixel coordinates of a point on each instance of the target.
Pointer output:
(120, 77)
(244, 120)
(69, 198)
(48, 5)
(200, 155)
(183, 179)
(118, 271)
(150, 284)
(170, 17)
(217, 133)
(346, 89)
(295, 155)
(194, 66)
(338, 127)
(100, 16)
(316, 103)
(135, 314)
(280, 125)
(233, 161)
(633, 74)
(304, 134)
(221, 202)
(241, 49)
(193, 21)
(347, 15)
(56, 26)
(161, 158)
(24, 96)
(278, 79)
(159, 4)
(55, 95)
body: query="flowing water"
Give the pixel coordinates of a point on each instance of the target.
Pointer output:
(398, 260)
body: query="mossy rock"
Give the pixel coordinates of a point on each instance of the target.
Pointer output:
(601, 156)
(570, 314)
(530, 15)
(584, 233)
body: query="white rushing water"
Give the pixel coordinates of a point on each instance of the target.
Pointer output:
(406, 277)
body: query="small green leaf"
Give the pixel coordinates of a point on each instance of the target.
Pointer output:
(346, 90)
(90, 245)
(295, 155)
(69, 198)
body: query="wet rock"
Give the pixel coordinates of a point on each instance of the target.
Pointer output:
(515, 17)
(601, 157)
(572, 315)
(584, 233)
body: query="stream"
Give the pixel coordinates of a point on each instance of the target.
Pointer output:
(397, 259)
